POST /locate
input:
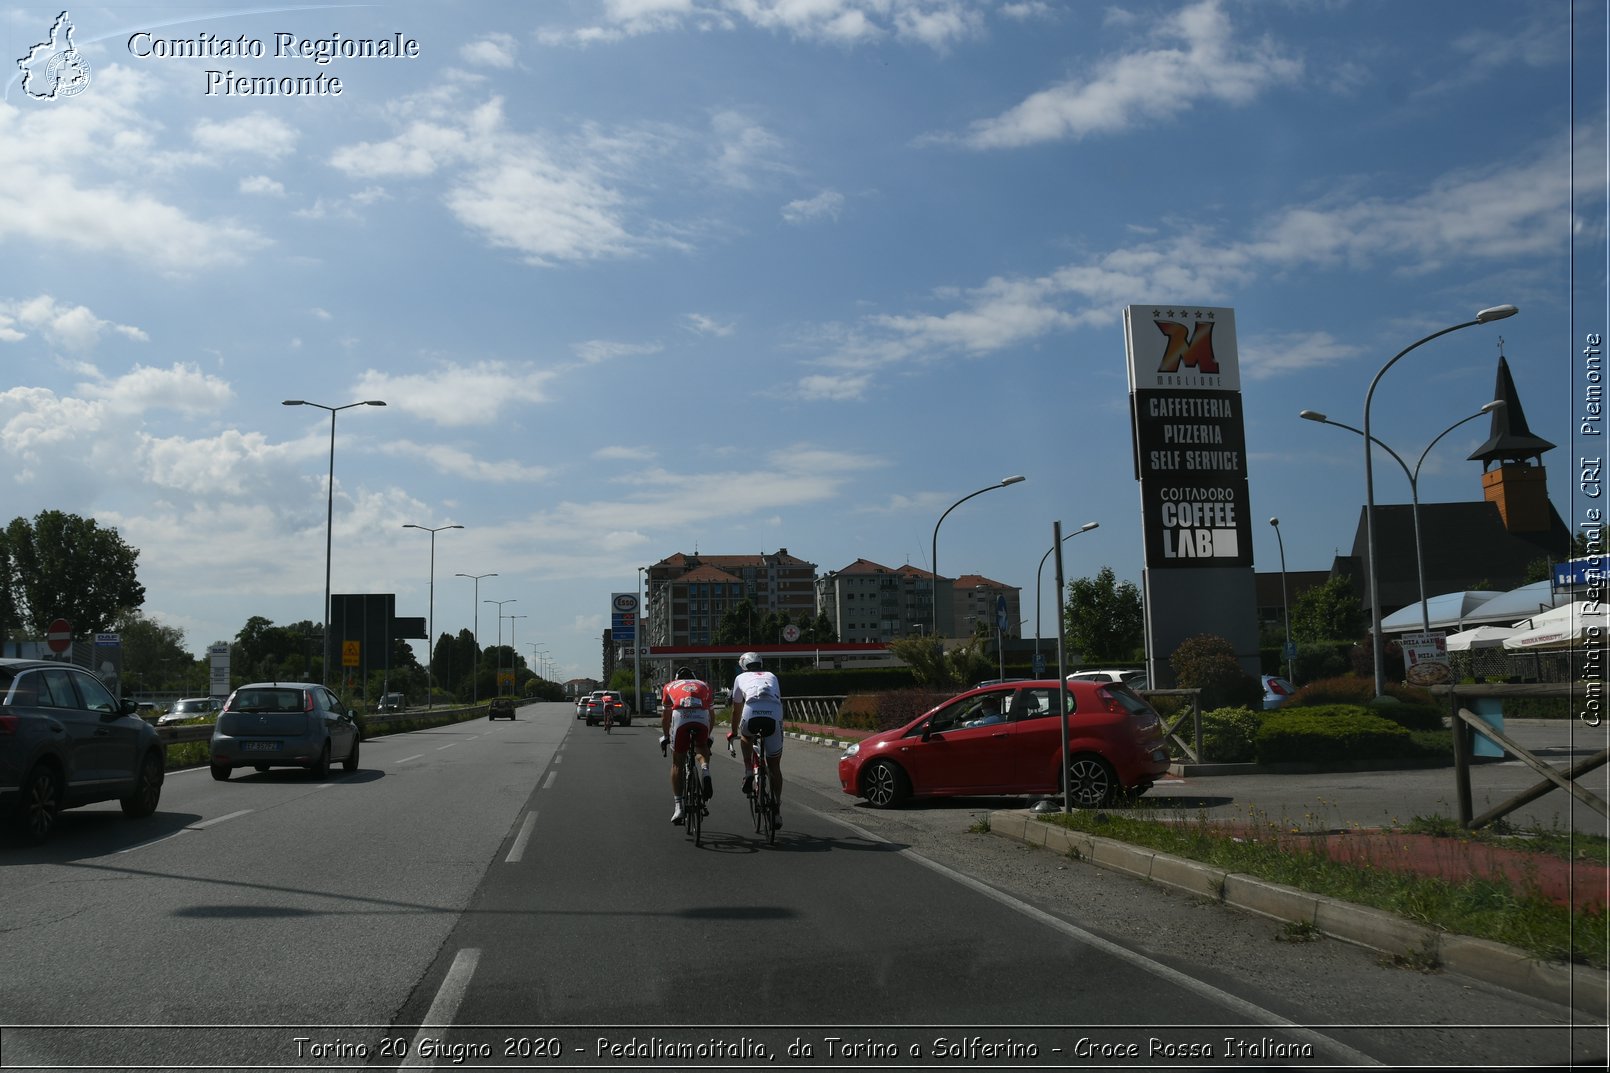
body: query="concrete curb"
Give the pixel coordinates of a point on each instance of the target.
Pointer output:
(1586, 990)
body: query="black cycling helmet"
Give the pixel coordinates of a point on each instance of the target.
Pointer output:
(684, 673)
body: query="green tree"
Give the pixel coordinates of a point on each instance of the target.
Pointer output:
(935, 667)
(738, 625)
(1328, 612)
(1103, 619)
(155, 658)
(63, 566)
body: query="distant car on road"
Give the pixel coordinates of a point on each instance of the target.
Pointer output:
(190, 708)
(501, 708)
(284, 724)
(391, 702)
(66, 741)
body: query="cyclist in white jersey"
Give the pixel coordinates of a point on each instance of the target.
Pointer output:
(757, 695)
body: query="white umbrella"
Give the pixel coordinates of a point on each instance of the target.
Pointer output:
(1478, 637)
(1567, 626)
(1515, 604)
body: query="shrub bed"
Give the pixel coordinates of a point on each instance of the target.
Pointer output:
(887, 710)
(1416, 708)
(1229, 735)
(1341, 732)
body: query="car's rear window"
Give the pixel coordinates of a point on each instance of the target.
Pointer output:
(270, 699)
(238, 724)
(1129, 700)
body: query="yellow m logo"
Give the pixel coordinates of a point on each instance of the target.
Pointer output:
(1195, 350)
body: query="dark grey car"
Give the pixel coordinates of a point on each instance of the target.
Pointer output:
(284, 724)
(65, 740)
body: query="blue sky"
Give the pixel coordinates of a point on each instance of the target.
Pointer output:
(652, 276)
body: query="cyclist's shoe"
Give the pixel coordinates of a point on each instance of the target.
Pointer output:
(709, 789)
(676, 815)
(749, 786)
(777, 819)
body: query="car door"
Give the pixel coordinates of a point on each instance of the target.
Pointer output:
(1038, 742)
(91, 752)
(118, 735)
(946, 755)
(337, 722)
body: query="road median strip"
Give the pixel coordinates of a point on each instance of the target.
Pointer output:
(1581, 987)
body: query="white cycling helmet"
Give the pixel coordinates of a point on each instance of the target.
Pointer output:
(749, 661)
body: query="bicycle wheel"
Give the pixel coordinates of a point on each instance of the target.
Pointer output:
(768, 810)
(755, 798)
(692, 800)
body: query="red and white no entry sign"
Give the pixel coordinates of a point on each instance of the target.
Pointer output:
(60, 635)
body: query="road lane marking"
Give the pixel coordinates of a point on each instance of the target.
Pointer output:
(405, 759)
(444, 1007)
(1200, 988)
(551, 776)
(198, 826)
(449, 745)
(520, 840)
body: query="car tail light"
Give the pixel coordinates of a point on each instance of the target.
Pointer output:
(1278, 689)
(1105, 696)
(307, 700)
(8, 724)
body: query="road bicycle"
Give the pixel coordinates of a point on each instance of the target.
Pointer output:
(762, 802)
(693, 799)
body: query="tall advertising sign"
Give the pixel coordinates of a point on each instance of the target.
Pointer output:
(1191, 462)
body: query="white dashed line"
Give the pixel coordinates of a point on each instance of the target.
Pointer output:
(405, 759)
(517, 851)
(445, 1006)
(552, 775)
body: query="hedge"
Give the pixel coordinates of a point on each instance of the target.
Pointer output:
(1342, 732)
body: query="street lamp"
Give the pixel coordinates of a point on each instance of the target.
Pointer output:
(499, 671)
(475, 679)
(1085, 528)
(1414, 496)
(1485, 316)
(329, 517)
(430, 613)
(1285, 603)
(933, 556)
(513, 650)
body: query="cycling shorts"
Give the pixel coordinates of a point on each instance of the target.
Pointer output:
(689, 726)
(773, 740)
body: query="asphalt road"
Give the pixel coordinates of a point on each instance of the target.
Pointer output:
(513, 895)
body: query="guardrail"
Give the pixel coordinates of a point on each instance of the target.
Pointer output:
(373, 725)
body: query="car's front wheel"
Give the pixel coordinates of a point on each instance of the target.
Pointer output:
(351, 762)
(884, 785)
(40, 805)
(142, 800)
(1091, 782)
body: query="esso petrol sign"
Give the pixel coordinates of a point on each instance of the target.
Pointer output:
(626, 601)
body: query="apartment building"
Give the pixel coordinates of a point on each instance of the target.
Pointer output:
(688, 595)
(974, 598)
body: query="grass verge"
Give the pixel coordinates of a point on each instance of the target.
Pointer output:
(1503, 908)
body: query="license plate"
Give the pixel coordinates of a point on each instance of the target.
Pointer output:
(260, 746)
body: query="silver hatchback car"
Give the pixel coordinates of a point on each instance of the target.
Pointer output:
(284, 724)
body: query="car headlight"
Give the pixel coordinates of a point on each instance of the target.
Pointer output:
(852, 750)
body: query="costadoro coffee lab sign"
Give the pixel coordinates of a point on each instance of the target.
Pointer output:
(1190, 441)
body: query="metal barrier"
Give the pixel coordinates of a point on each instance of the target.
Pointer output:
(1465, 721)
(822, 711)
(373, 725)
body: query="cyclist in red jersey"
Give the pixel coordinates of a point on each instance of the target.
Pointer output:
(685, 705)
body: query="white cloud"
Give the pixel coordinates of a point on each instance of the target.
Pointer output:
(937, 24)
(457, 462)
(262, 185)
(258, 134)
(493, 50)
(1152, 83)
(594, 351)
(700, 324)
(455, 395)
(182, 388)
(828, 204)
(71, 328)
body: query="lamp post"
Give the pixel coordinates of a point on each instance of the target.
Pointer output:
(430, 614)
(475, 678)
(512, 648)
(1085, 528)
(1285, 603)
(1485, 316)
(1414, 496)
(933, 556)
(329, 517)
(498, 673)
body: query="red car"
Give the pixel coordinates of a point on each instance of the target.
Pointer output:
(1005, 739)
